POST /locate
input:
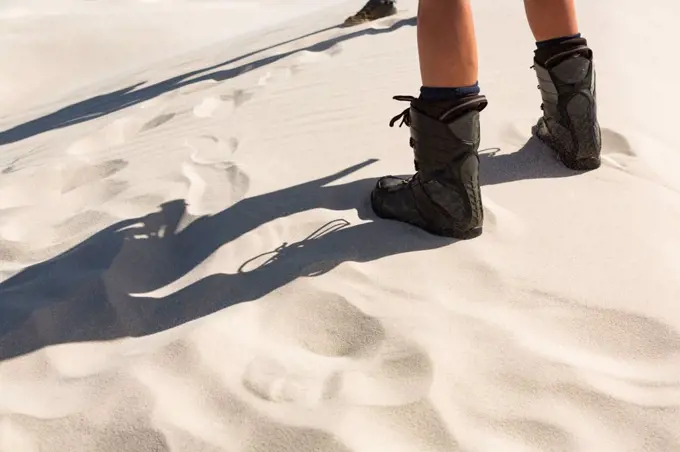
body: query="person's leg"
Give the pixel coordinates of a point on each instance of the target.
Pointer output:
(443, 197)
(372, 10)
(564, 67)
(551, 19)
(447, 47)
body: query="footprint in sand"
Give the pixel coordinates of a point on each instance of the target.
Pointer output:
(221, 106)
(275, 76)
(297, 62)
(346, 356)
(311, 56)
(197, 87)
(211, 150)
(157, 121)
(50, 183)
(86, 146)
(74, 176)
(274, 381)
(209, 106)
(43, 199)
(214, 188)
(237, 97)
(120, 131)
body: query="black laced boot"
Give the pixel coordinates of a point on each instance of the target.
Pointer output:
(443, 197)
(372, 10)
(569, 124)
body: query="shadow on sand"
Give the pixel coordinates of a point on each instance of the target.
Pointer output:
(87, 293)
(105, 104)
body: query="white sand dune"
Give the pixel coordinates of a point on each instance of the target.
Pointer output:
(188, 261)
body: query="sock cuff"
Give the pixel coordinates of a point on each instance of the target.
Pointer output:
(448, 93)
(545, 52)
(556, 41)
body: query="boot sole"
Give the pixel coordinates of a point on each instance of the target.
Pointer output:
(350, 23)
(459, 235)
(587, 164)
(467, 235)
(584, 122)
(584, 164)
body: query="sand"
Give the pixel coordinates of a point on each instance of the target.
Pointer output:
(188, 260)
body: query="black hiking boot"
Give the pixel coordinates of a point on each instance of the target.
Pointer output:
(372, 10)
(443, 197)
(569, 124)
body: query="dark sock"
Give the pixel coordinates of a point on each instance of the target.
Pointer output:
(453, 93)
(436, 101)
(555, 41)
(545, 50)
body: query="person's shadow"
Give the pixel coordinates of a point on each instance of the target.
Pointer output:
(94, 291)
(88, 292)
(105, 104)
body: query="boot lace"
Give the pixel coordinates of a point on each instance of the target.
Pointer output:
(405, 115)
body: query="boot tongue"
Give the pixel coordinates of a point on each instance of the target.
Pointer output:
(450, 110)
(466, 104)
(553, 55)
(436, 142)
